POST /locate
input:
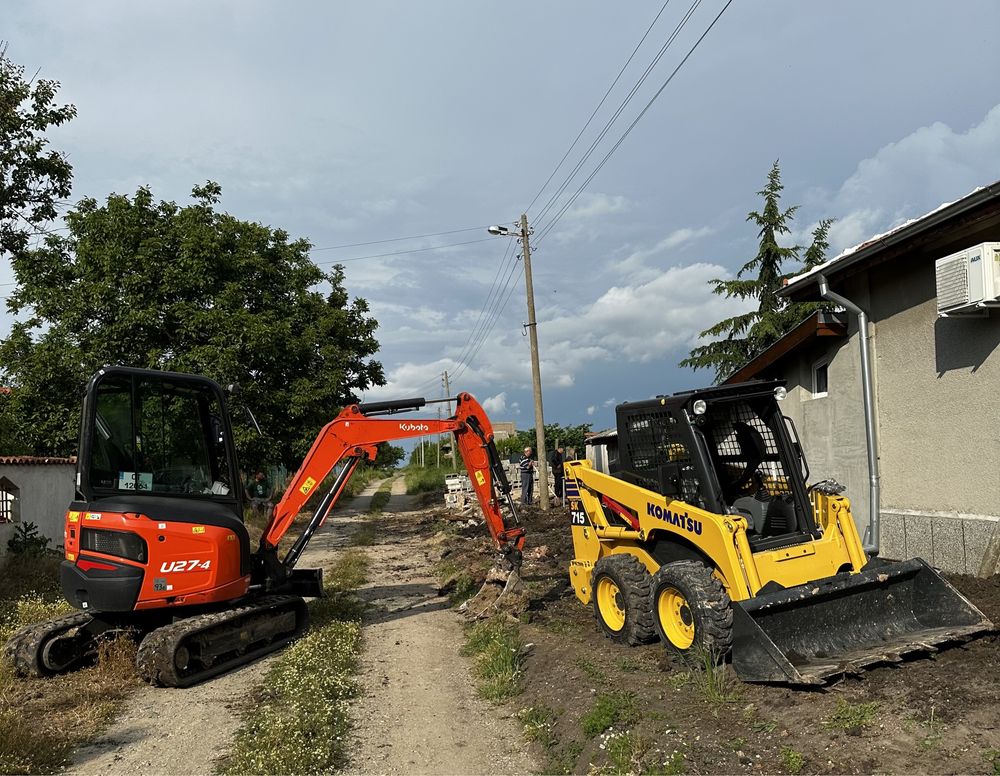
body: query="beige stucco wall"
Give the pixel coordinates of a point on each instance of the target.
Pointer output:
(939, 400)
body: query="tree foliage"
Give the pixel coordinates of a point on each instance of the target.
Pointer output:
(736, 340)
(154, 284)
(33, 177)
(567, 436)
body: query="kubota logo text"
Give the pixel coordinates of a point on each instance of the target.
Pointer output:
(414, 427)
(680, 520)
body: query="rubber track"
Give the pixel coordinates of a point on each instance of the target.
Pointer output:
(24, 648)
(714, 611)
(635, 584)
(155, 658)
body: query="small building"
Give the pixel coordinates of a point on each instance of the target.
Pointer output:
(934, 337)
(35, 490)
(602, 449)
(503, 429)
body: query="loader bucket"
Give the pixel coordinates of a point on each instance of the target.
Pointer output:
(841, 624)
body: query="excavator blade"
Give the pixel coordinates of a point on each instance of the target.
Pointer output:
(840, 625)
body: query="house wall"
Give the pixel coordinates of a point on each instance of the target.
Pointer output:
(831, 428)
(937, 413)
(939, 422)
(45, 493)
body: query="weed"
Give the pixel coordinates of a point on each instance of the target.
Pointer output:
(851, 716)
(364, 536)
(496, 647)
(28, 609)
(591, 669)
(791, 760)
(765, 726)
(738, 743)
(933, 737)
(380, 499)
(609, 709)
(674, 765)
(564, 761)
(538, 722)
(714, 681)
(22, 574)
(992, 758)
(625, 751)
(421, 479)
(349, 571)
(300, 721)
(629, 665)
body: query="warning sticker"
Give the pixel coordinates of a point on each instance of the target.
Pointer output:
(480, 477)
(197, 529)
(307, 486)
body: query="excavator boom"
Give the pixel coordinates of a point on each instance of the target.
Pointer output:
(354, 435)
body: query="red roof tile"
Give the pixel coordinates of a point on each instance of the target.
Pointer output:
(34, 460)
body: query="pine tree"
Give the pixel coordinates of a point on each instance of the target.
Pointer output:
(738, 339)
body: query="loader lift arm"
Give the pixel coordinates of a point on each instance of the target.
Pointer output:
(353, 436)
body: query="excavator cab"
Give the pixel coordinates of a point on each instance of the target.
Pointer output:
(705, 533)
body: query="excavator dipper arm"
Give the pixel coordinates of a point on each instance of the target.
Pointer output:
(355, 434)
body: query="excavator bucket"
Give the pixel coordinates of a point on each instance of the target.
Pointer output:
(840, 625)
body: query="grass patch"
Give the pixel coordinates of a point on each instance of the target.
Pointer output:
(426, 479)
(24, 574)
(714, 681)
(43, 720)
(298, 720)
(380, 498)
(364, 536)
(538, 722)
(616, 708)
(851, 716)
(564, 760)
(591, 669)
(791, 760)
(992, 758)
(300, 717)
(496, 647)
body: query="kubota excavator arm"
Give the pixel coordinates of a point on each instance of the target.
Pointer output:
(354, 435)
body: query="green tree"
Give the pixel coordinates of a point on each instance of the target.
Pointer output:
(388, 456)
(736, 340)
(567, 436)
(153, 284)
(33, 177)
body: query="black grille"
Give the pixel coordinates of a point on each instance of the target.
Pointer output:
(122, 544)
(746, 452)
(651, 439)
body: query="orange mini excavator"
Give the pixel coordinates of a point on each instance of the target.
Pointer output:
(155, 542)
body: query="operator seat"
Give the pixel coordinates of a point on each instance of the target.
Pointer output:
(753, 451)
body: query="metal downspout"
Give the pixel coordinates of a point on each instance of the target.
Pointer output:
(872, 538)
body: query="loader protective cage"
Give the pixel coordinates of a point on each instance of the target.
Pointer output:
(737, 453)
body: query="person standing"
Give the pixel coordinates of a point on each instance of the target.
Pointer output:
(527, 468)
(260, 494)
(557, 471)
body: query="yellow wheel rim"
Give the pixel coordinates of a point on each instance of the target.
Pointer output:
(676, 618)
(611, 604)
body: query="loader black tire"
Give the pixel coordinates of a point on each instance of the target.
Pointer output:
(692, 613)
(619, 592)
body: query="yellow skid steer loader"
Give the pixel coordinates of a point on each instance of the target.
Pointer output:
(705, 534)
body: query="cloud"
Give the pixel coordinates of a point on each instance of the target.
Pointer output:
(596, 205)
(591, 409)
(635, 264)
(609, 402)
(496, 405)
(909, 178)
(644, 322)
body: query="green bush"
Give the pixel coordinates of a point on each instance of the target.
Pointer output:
(28, 541)
(426, 479)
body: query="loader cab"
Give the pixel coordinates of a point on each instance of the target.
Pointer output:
(160, 444)
(727, 450)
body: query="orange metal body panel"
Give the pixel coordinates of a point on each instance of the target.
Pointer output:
(187, 563)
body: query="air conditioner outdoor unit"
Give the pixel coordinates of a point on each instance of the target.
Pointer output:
(969, 281)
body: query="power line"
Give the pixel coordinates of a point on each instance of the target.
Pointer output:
(621, 108)
(548, 227)
(599, 105)
(496, 318)
(398, 239)
(403, 253)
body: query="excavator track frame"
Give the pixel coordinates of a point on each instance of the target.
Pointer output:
(220, 641)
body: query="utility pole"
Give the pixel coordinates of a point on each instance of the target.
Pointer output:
(439, 439)
(454, 441)
(536, 374)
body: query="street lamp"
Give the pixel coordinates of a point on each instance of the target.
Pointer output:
(536, 374)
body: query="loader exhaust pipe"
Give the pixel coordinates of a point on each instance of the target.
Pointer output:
(873, 538)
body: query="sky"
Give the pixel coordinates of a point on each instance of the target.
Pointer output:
(362, 122)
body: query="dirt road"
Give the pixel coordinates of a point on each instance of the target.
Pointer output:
(418, 714)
